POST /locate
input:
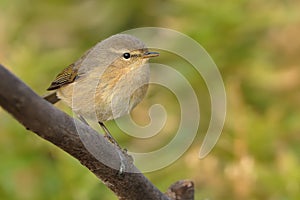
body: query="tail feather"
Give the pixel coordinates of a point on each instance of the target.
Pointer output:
(51, 98)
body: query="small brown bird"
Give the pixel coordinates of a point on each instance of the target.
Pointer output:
(107, 82)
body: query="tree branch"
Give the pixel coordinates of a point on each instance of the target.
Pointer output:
(79, 140)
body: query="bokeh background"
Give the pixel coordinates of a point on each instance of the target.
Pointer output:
(254, 43)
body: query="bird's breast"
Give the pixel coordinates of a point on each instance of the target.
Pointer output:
(109, 96)
(119, 94)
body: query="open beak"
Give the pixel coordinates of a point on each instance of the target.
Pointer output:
(150, 54)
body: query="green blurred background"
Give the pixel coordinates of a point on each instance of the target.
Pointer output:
(254, 43)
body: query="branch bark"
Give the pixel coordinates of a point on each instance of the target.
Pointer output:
(82, 142)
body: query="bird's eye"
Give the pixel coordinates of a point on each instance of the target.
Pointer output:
(126, 55)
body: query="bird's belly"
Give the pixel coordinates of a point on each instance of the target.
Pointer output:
(118, 103)
(103, 103)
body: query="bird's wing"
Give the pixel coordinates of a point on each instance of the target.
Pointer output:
(67, 76)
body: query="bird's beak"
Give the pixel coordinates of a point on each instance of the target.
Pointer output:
(149, 54)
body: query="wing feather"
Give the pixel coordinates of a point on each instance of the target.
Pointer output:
(68, 75)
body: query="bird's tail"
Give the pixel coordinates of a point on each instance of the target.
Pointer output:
(52, 98)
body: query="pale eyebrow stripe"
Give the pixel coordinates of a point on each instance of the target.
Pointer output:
(119, 50)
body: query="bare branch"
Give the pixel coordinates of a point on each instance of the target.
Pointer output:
(181, 190)
(55, 126)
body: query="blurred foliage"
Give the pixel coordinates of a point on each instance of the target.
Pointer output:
(256, 46)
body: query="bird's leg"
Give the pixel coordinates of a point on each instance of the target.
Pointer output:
(108, 135)
(120, 153)
(106, 131)
(112, 140)
(83, 120)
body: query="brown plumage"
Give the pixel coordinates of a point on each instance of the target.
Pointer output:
(67, 76)
(108, 81)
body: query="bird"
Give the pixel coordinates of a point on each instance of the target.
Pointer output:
(107, 82)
